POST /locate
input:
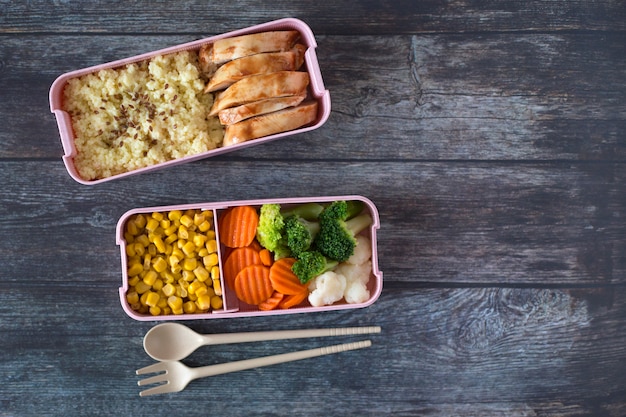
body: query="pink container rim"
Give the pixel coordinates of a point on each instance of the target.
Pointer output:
(232, 307)
(317, 91)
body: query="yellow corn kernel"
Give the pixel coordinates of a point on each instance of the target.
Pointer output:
(210, 235)
(203, 252)
(159, 264)
(166, 311)
(143, 298)
(134, 280)
(142, 287)
(178, 311)
(188, 276)
(152, 298)
(183, 232)
(162, 302)
(132, 228)
(140, 221)
(169, 276)
(171, 229)
(165, 223)
(200, 291)
(129, 238)
(168, 289)
(143, 240)
(174, 215)
(177, 269)
(157, 215)
(199, 240)
(132, 297)
(211, 245)
(181, 292)
(201, 273)
(217, 286)
(159, 244)
(140, 249)
(174, 302)
(130, 250)
(210, 260)
(152, 249)
(155, 311)
(190, 264)
(150, 277)
(195, 286)
(186, 220)
(204, 302)
(152, 224)
(189, 248)
(189, 307)
(216, 302)
(215, 273)
(171, 238)
(158, 285)
(204, 226)
(135, 269)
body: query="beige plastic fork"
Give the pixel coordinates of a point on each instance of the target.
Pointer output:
(175, 376)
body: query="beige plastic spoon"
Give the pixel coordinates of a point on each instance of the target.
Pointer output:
(174, 341)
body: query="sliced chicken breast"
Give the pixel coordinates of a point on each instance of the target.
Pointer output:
(271, 123)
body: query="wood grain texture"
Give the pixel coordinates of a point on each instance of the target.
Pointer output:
(447, 97)
(481, 351)
(490, 136)
(347, 17)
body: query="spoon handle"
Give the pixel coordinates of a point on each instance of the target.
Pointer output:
(218, 339)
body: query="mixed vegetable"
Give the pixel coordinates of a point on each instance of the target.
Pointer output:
(279, 257)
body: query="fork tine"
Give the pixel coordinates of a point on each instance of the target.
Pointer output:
(150, 369)
(152, 380)
(159, 389)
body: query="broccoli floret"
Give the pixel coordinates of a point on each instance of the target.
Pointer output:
(300, 234)
(339, 225)
(311, 264)
(270, 229)
(271, 233)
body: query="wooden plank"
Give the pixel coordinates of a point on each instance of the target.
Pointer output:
(486, 97)
(350, 17)
(497, 223)
(463, 351)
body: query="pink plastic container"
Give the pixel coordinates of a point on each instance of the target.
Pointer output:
(232, 306)
(316, 91)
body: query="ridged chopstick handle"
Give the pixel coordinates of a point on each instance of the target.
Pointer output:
(245, 337)
(347, 331)
(224, 368)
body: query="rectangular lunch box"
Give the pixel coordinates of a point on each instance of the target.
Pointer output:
(223, 299)
(315, 90)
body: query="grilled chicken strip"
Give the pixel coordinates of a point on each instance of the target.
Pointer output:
(227, 49)
(263, 63)
(260, 87)
(271, 123)
(257, 108)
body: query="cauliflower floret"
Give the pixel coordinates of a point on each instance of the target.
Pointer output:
(326, 289)
(357, 277)
(362, 251)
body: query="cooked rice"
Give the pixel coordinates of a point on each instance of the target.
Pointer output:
(140, 115)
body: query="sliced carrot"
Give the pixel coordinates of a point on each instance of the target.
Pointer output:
(237, 260)
(283, 279)
(253, 285)
(237, 226)
(266, 257)
(293, 300)
(272, 302)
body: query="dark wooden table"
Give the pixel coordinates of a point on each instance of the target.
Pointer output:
(492, 138)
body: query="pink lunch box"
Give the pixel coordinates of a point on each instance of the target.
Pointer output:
(231, 305)
(316, 91)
